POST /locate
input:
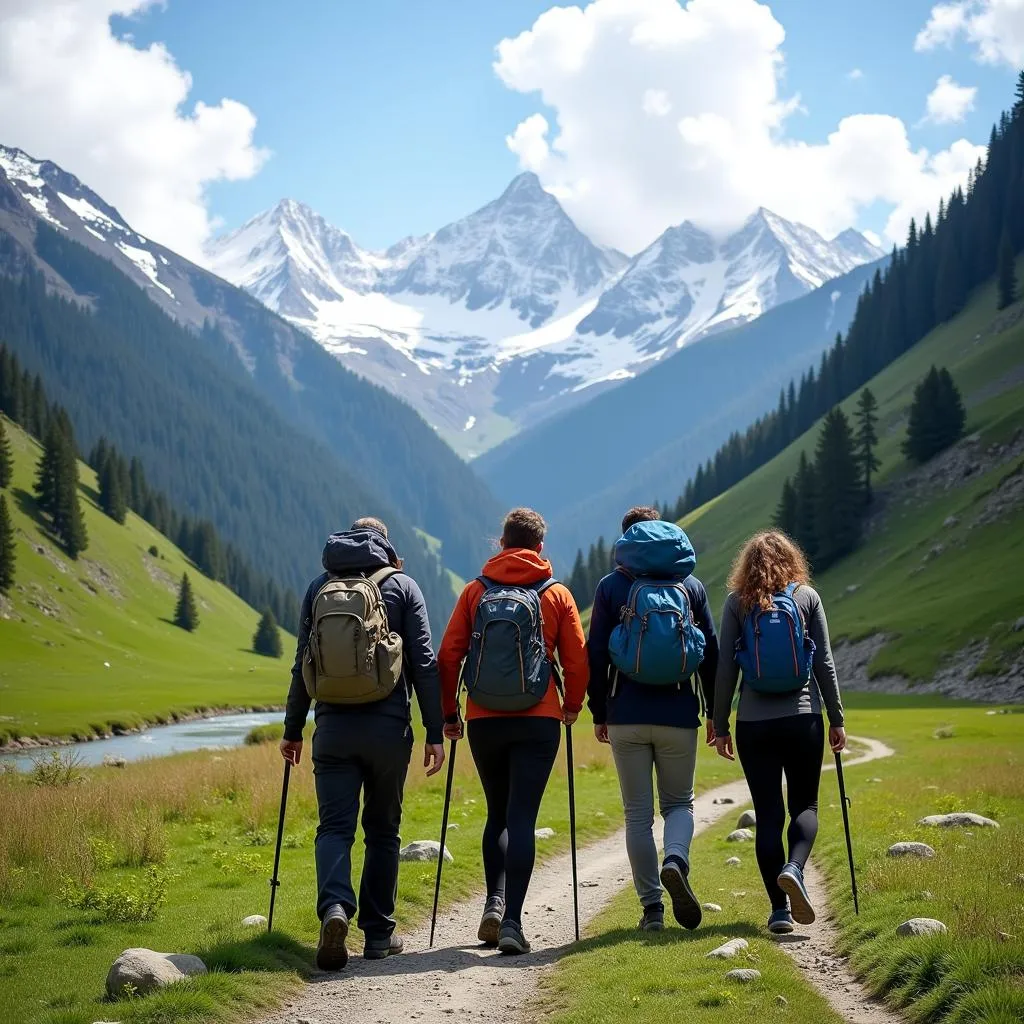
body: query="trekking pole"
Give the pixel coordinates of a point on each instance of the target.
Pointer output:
(274, 882)
(572, 831)
(444, 835)
(845, 801)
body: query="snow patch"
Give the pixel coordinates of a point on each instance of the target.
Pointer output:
(146, 262)
(470, 423)
(84, 210)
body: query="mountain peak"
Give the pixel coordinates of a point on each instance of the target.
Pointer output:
(525, 184)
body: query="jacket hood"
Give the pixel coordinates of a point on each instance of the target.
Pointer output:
(357, 551)
(655, 548)
(517, 565)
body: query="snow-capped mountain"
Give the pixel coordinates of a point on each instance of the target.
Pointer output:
(512, 313)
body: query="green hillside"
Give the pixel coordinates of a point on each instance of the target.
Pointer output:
(65, 622)
(930, 602)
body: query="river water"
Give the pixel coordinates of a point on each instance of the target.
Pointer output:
(214, 733)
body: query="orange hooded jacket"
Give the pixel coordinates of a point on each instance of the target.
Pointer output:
(563, 634)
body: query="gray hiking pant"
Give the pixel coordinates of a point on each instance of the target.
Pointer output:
(640, 751)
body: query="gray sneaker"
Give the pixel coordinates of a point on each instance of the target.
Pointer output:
(490, 923)
(331, 954)
(653, 919)
(781, 922)
(685, 905)
(791, 882)
(511, 939)
(375, 951)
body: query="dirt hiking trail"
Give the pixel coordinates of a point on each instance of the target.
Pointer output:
(460, 980)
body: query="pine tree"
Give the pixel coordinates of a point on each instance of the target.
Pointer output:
(6, 459)
(867, 439)
(7, 554)
(68, 520)
(267, 639)
(937, 416)
(952, 415)
(1006, 271)
(786, 513)
(839, 502)
(186, 615)
(578, 579)
(46, 473)
(806, 487)
(113, 499)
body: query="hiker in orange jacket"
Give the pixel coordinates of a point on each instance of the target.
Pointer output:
(514, 736)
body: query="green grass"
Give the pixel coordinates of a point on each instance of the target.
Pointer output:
(929, 608)
(113, 607)
(975, 885)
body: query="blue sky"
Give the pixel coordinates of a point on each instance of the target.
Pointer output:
(388, 118)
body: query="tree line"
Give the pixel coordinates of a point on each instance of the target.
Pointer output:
(978, 232)
(122, 486)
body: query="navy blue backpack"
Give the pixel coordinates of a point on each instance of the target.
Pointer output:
(774, 650)
(656, 642)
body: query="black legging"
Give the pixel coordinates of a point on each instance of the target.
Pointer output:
(766, 749)
(514, 756)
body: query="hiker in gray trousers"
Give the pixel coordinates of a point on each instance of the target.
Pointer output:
(653, 730)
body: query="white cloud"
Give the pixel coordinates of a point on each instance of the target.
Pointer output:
(872, 236)
(656, 103)
(116, 116)
(717, 66)
(855, 74)
(995, 27)
(949, 102)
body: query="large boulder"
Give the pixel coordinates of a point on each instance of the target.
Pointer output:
(747, 820)
(920, 926)
(910, 850)
(424, 849)
(740, 835)
(139, 971)
(744, 975)
(254, 921)
(729, 949)
(958, 819)
(544, 833)
(733, 862)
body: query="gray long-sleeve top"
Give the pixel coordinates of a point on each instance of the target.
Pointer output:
(821, 688)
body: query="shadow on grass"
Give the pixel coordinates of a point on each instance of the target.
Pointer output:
(267, 951)
(29, 507)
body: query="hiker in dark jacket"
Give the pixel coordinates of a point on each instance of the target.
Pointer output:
(779, 734)
(367, 748)
(653, 728)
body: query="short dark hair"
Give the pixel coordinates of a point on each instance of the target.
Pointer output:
(639, 514)
(523, 528)
(371, 523)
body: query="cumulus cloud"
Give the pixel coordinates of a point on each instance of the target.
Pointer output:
(949, 102)
(855, 74)
(117, 116)
(665, 112)
(994, 27)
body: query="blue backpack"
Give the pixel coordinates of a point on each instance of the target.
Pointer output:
(774, 651)
(657, 641)
(507, 667)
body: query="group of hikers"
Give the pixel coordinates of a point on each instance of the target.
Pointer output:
(652, 666)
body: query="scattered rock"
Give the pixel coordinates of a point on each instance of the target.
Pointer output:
(729, 949)
(782, 1001)
(114, 761)
(744, 975)
(544, 833)
(140, 971)
(944, 732)
(920, 926)
(733, 862)
(853, 588)
(747, 820)
(1005, 936)
(723, 800)
(424, 849)
(740, 835)
(1018, 626)
(254, 921)
(713, 908)
(950, 521)
(874, 780)
(739, 895)
(910, 850)
(958, 819)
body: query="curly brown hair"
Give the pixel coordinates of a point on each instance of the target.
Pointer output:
(766, 565)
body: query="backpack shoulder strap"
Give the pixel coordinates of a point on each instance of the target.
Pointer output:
(486, 582)
(378, 577)
(544, 584)
(625, 572)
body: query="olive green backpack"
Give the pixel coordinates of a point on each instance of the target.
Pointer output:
(352, 656)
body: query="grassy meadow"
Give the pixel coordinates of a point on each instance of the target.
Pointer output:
(893, 585)
(89, 644)
(975, 885)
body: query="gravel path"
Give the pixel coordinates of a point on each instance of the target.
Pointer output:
(459, 979)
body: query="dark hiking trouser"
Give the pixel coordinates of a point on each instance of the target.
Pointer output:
(767, 749)
(353, 754)
(514, 756)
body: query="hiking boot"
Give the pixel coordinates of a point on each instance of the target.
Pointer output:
(376, 951)
(791, 882)
(331, 954)
(490, 923)
(780, 922)
(511, 939)
(685, 906)
(653, 919)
